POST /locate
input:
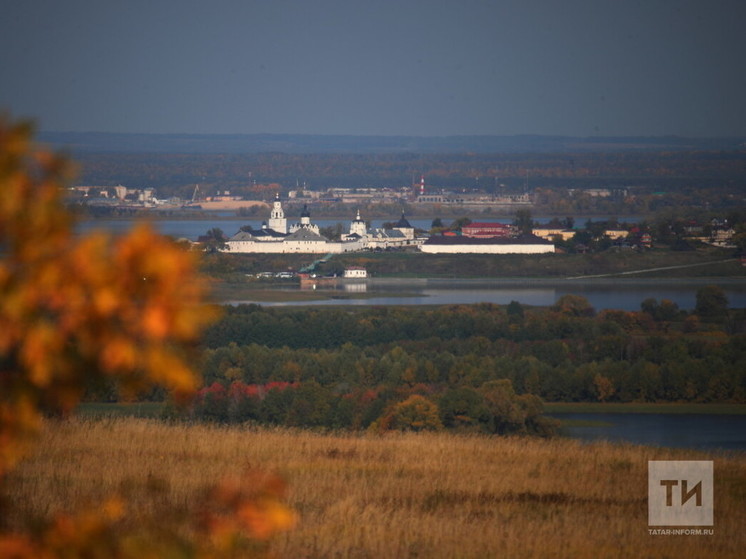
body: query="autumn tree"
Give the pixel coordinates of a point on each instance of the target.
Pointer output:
(416, 413)
(80, 309)
(515, 414)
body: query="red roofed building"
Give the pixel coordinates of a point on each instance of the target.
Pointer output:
(487, 230)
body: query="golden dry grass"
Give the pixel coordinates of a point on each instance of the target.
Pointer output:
(399, 495)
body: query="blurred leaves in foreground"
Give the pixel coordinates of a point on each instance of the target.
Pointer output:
(76, 310)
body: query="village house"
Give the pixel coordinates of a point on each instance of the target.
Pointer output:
(355, 272)
(550, 233)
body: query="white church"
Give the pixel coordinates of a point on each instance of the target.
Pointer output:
(303, 237)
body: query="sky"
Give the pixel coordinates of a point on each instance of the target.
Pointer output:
(377, 67)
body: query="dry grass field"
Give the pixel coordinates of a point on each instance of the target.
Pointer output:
(391, 496)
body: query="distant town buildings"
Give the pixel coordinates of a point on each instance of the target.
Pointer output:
(474, 200)
(113, 196)
(419, 195)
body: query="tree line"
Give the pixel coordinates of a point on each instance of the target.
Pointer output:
(478, 367)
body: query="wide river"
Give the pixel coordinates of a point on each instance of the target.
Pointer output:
(602, 293)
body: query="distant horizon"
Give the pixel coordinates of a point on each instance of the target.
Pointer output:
(41, 130)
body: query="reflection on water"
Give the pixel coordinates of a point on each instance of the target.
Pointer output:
(356, 287)
(332, 285)
(623, 294)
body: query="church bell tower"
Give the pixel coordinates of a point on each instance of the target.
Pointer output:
(277, 221)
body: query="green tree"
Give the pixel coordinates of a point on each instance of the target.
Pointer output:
(457, 224)
(215, 240)
(500, 401)
(333, 232)
(650, 306)
(511, 413)
(463, 408)
(523, 221)
(515, 310)
(310, 407)
(712, 303)
(276, 404)
(668, 311)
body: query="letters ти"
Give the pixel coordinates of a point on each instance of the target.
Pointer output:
(669, 484)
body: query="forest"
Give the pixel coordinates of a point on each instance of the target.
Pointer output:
(469, 368)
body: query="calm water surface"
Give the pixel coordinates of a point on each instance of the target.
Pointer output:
(697, 431)
(625, 294)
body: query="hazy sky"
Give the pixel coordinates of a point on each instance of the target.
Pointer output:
(377, 67)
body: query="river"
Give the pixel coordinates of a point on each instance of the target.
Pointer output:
(603, 293)
(696, 431)
(230, 224)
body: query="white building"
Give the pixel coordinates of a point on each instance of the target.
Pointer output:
(355, 272)
(274, 238)
(528, 244)
(277, 221)
(304, 236)
(305, 222)
(399, 236)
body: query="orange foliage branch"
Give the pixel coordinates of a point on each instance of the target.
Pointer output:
(76, 309)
